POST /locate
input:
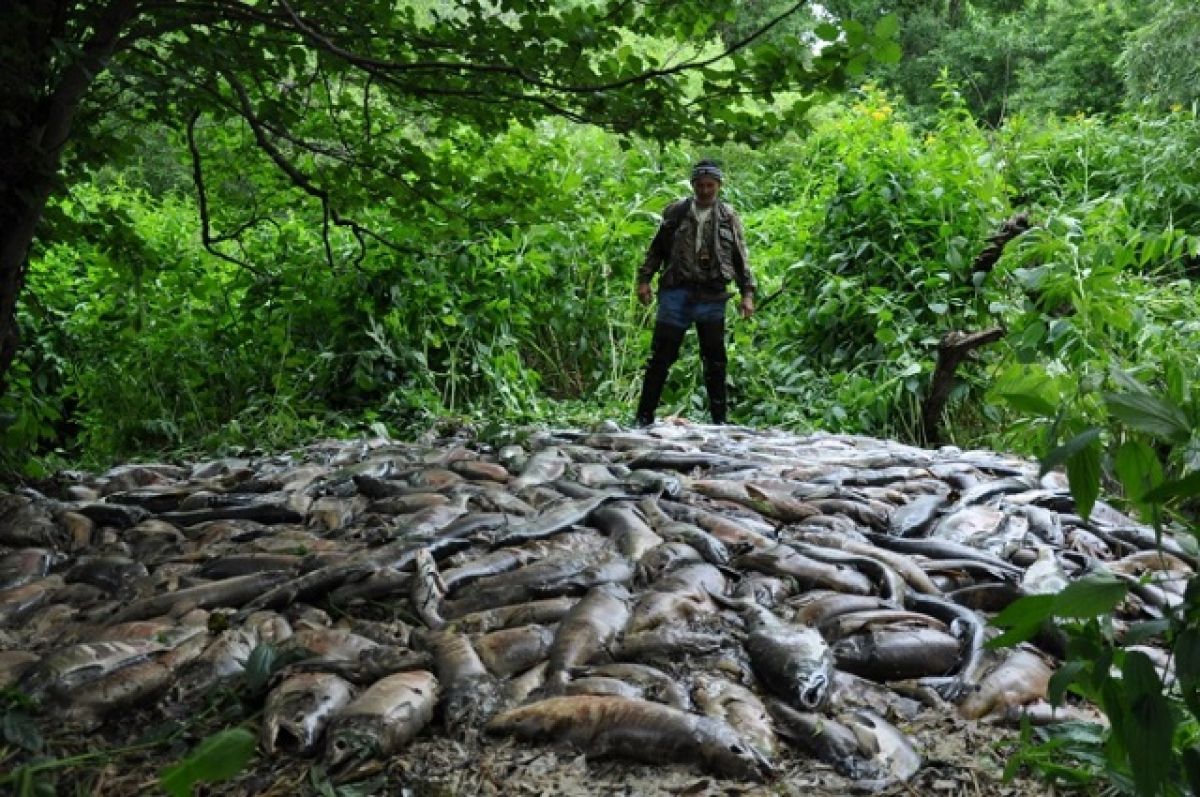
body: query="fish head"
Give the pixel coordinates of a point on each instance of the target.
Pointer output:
(731, 756)
(348, 744)
(813, 690)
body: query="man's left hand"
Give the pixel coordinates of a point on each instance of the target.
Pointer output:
(747, 306)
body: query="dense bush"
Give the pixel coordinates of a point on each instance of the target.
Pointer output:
(515, 303)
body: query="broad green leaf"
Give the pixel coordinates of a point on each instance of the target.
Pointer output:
(1187, 487)
(1138, 468)
(260, 664)
(1083, 473)
(1069, 449)
(1063, 678)
(827, 31)
(1022, 618)
(889, 53)
(1152, 725)
(887, 26)
(1029, 402)
(1090, 596)
(218, 757)
(1149, 414)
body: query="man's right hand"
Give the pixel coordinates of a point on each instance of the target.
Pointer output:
(644, 294)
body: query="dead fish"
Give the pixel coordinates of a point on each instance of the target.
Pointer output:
(917, 516)
(853, 622)
(550, 610)
(685, 461)
(709, 547)
(822, 737)
(984, 492)
(224, 658)
(793, 661)
(61, 672)
(22, 566)
(895, 655)
(382, 719)
(113, 574)
(738, 706)
(427, 590)
(904, 565)
(942, 549)
(973, 522)
(590, 627)
(471, 694)
(968, 627)
(544, 466)
(426, 523)
(540, 579)
(650, 682)
(298, 710)
(887, 581)
(232, 565)
(568, 513)
(229, 592)
(610, 568)
(817, 607)
(601, 685)
(729, 530)
(407, 502)
(669, 645)
(1046, 575)
(481, 469)
(851, 692)
(132, 686)
(18, 603)
(784, 561)
(636, 729)
(371, 665)
(766, 591)
(644, 480)
(994, 597)
(662, 559)
(1021, 677)
(517, 690)
(26, 524)
(629, 532)
(883, 745)
(512, 650)
(381, 583)
(329, 644)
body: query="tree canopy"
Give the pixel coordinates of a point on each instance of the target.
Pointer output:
(362, 105)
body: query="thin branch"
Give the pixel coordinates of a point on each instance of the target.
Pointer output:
(206, 237)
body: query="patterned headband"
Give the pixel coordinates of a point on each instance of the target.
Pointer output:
(708, 171)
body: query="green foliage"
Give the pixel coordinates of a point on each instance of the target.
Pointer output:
(1159, 65)
(1149, 747)
(218, 757)
(862, 233)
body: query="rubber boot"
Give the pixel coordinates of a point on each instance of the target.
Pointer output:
(664, 350)
(712, 355)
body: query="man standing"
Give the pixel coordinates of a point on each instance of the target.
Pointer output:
(701, 248)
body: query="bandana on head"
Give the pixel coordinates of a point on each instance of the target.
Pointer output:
(708, 171)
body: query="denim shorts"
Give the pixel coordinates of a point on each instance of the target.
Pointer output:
(677, 309)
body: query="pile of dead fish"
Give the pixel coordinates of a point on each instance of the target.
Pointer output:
(721, 597)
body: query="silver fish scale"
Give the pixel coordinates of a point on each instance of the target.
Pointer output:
(715, 581)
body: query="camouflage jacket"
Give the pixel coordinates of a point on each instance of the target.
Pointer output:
(720, 259)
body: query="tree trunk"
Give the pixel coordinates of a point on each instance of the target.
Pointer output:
(40, 91)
